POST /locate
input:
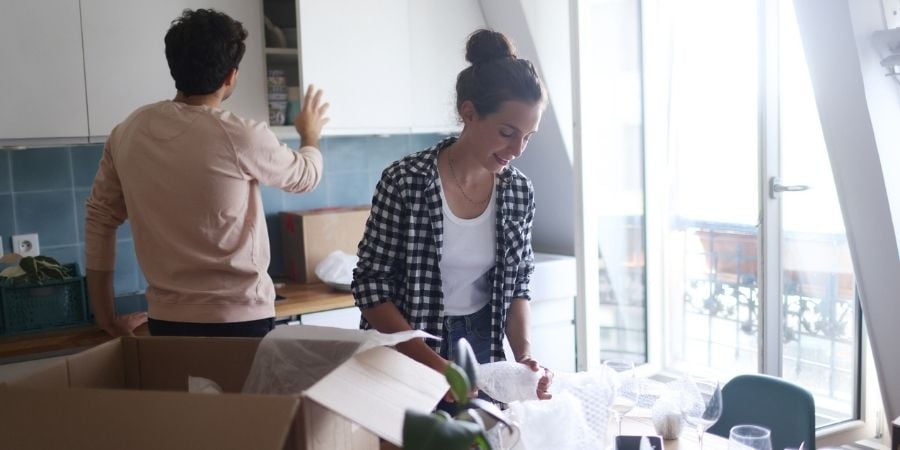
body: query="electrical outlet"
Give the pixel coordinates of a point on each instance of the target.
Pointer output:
(26, 244)
(891, 13)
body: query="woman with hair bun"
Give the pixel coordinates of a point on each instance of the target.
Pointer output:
(447, 246)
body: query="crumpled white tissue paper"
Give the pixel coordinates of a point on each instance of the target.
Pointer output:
(290, 359)
(336, 270)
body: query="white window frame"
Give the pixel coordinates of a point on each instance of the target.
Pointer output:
(588, 345)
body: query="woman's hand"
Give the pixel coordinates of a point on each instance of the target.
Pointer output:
(543, 387)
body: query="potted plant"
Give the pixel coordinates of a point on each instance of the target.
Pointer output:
(31, 270)
(440, 430)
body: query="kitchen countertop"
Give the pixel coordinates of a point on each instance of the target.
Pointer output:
(300, 299)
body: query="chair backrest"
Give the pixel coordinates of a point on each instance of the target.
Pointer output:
(784, 408)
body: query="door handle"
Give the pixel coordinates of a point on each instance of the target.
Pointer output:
(775, 187)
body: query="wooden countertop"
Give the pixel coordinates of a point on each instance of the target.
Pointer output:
(300, 299)
(309, 298)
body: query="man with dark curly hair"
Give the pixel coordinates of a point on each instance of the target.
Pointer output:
(186, 174)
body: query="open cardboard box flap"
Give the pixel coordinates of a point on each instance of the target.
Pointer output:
(374, 390)
(135, 388)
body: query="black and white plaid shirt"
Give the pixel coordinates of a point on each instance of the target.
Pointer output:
(401, 248)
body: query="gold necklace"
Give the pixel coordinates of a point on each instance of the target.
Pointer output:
(459, 185)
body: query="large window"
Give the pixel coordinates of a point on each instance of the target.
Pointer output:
(718, 191)
(612, 71)
(743, 127)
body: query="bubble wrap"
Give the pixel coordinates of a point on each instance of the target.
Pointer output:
(508, 381)
(575, 418)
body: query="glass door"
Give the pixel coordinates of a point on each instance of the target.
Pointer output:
(711, 196)
(756, 266)
(818, 289)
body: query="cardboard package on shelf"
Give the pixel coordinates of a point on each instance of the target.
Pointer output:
(309, 236)
(131, 393)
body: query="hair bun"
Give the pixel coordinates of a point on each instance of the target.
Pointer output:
(488, 45)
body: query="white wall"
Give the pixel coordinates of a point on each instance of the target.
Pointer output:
(540, 30)
(883, 98)
(859, 110)
(549, 26)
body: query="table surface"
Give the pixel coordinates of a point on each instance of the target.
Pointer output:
(639, 424)
(300, 299)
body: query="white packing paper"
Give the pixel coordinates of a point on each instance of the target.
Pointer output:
(291, 359)
(337, 268)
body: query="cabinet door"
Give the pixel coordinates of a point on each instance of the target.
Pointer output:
(42, 80)
(438, 32)
(125, 60)
(358, 52)
(551, 333)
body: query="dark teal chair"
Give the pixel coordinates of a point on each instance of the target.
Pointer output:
(784, 408)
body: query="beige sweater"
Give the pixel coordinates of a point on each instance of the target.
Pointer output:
(187, 178)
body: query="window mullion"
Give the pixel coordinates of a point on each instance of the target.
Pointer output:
(770, 281)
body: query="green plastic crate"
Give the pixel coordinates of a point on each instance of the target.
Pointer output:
(54, 304)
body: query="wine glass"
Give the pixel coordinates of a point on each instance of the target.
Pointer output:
(624, 386)
(703, 405)
(749, 437)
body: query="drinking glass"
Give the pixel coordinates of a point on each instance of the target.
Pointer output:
(625, 388)
(749, 437)
(703, 405)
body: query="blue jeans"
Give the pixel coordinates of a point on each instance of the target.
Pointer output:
(476, 328)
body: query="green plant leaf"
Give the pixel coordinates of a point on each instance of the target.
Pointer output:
(464, 357)
(459, 383)
(482, 442)
(47, 259)
(29, 265)
(433, 432)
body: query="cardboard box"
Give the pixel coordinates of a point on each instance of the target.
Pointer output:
(130, 393)
(309, 236)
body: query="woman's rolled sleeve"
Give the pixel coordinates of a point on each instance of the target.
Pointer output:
(379, 272)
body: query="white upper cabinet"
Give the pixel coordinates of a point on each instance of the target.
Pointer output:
(74, 70)
(438, 32)
(42, 79)
(358, 52)
(125, 61)
(387, 66)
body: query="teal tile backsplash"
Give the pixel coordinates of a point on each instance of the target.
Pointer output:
(51, 214)
(41, 169)
(7, 225)
(43, 191)
(5, 177)
(84, 165)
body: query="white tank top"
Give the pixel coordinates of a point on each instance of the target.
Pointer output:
(467, 258)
